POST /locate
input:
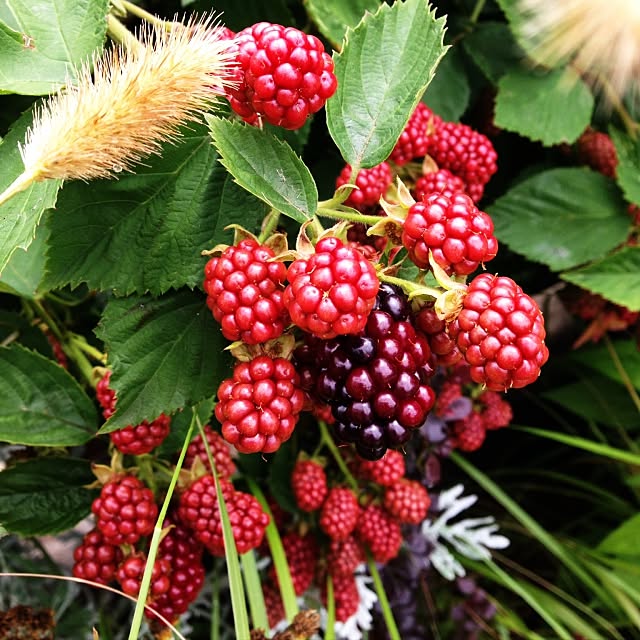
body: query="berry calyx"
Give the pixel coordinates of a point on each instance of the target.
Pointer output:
(244, 292)
(284, 75)
(332, 292)
(500, 332)
(309, 484)
(372, 184)
(339, 514)
(259, 406)
(459, 235)
(125, 510)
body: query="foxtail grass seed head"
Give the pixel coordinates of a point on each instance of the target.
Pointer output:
(131, 102)
(600, 37)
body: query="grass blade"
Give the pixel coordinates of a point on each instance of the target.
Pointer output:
(254, 591)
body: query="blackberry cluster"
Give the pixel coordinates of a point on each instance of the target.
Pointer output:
(376, 381)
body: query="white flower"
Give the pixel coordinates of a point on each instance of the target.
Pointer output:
(471, 537)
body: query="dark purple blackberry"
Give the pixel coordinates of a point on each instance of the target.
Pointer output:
(376, 382)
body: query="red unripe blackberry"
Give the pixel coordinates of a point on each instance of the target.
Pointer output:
(376, 381)
(284, 75)
(386, 471)
(198, 510)
(106, 396)
(129, 575)
(457, 233)
(469, 433)
(142, 438)
(259, 406)
(344, 556)
(125, 510)
(380, 532)
(244, 292)
(408, 501)
(443, 348)
(412, 142)
(58, 351)
(441, 181)
(466, 153)
(596, 149)
(331, 292)
(96, 560)
(339, 514)
(449, 392)
(273, 604)
(497, 412)
(184, 555)
(220, 451)
(346, 596)
(309, 484)
(302, 555)
(500, 332)
(372, 185)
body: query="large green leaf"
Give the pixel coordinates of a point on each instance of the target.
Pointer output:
(45, 495)
(599, 358)
(145, 232)
(561, 217)
(385, 66)
(266, 167)
(20, 215)
(492, 47)
(166, 353)
(628, 170)
(449, 92)
(25, 270)
(616, 277)
(597, 398)
(534, 104)
(334, 16)
(40, 403)
(42, 41)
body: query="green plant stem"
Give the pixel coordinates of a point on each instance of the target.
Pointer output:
(330, 632)
(331, 445)
(622, 372)
(157, 534)
(120, 34)
(270, 223)
(387, 614)
(139, 12)
(339, 214)
(48, 319)
(279, 557)
(477, 10)
(410, 287)
(85, 347)
(216, 613)
(254, 591)
(236, 588)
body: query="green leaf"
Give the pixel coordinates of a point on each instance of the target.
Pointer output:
(597, 398)
(41, 404)
(45, 495)
(386, 64)
(25, 270)
(534, 104)
(598, 358)
(449, 92)
(623, 541)
(334, 16)
(266, 167)
(561, 217)
(628, 170)
(493, 48)
(145, 232)
(616, 277)
(166, 353)
(41, 41)
(20, 215)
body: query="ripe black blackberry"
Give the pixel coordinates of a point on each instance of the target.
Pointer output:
(376, 382)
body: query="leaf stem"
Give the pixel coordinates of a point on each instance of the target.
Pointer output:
(622, 372)
(254, 591)
(157, 534)
(387, 614)
(330, 632)
(139, 12)
(328, 440)
(120, 34)
(85, 347)
(269, 225)
(410, 287)
(340, 214)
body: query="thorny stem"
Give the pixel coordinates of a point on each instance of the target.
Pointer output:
(328, 440)
(622, 372)
(339, 214)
